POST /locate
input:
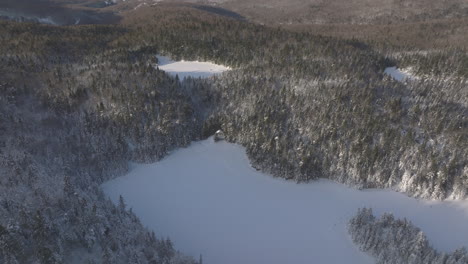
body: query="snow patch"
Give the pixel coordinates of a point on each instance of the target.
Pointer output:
(400, 75)
(47, 20)
(194, 69)
(210, 201)
(140, 5)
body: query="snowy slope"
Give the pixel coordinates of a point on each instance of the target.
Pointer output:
(194, 69)
(210, 201)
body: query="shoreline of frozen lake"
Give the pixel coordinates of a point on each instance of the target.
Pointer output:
(210, 201)
(194, 69)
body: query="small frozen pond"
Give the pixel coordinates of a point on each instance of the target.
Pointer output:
(400, 75)
(209, 201)
(194, 69)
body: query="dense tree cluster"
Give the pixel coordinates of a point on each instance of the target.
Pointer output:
(307, 106)
(450, 64)
(52, 208)
(397, 241)
(370, 131)
(69, 122)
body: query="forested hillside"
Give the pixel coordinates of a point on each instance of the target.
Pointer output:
(73, 113)
(307, 106)
(79, 103)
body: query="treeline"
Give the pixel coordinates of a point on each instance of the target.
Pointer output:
(392, 240)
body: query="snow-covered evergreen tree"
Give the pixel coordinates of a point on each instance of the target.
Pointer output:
(393, 241)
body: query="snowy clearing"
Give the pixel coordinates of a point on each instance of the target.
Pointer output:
(210, 201)
(194, 69)
(400, 75)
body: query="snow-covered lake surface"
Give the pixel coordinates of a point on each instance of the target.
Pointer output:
(400, 75)
(194, 69)
(210, 201)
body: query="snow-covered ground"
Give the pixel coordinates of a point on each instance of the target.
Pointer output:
(400, 75)
(209, 201)
(194, 69)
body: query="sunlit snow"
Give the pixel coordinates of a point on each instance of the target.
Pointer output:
(209, 201)
(194, 69)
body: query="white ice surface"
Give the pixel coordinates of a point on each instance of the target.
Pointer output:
(194, 69)
(210, 201)
(400, 75)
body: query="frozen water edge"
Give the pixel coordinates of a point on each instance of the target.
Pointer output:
(209, 200)
(194, 69)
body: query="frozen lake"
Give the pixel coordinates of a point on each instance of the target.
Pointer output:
(210, 201)
(194, 69)
(400, 75)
